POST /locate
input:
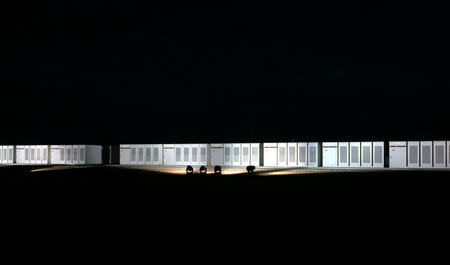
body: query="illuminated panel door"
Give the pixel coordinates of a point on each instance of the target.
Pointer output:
(439, 154)
(186, 154)
(75, 155)
(302, 154)
(313, 154)
(195, 154)
(378, 154)
(245, 154)
(366, 154)
(343, 154)
(157, 154)
(45, 154)
(413, 154)
(203, 154)
(292, 154)
(228, 156)
(32, 154)
(148, 155)
(426, 154)
(282, 154)
(355, 154)
(448, 153)
(270, 154)
(255, 155)
(217, 154)
(330, 154)
(178, 154)
(236, 154)
(169, 154)
(140, 154)
(397, 154)
(82, 154)
(133, 154)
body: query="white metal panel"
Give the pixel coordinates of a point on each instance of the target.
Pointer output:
(32, 154)
(344, 154)
(203, 154)
(355, 154)
(45, 154)
(75, 154)
(133, 154)
(195, 154)
(186, 154)
(426, 154)
(282, 154)
(20, 154)
(397, 154)
(270, 154)
(69, 156)
(302, 154)
(378, 154)
(157, 154)
(228, 156)
(82, 154)
(330, 154)
(413, 152)
(366, 154)
(124, 154)
(217, 154)
(313, 154)
(11, 154)
(236, 154)
(439, 153)
(255, 154)
(169, 154)
(1, 154)
(292, 154)
(448, 153)
(140, 154)
(245, 157)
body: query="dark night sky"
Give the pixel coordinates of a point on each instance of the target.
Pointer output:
(124, 72)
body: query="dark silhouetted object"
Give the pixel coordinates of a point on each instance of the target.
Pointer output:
(250, 169)
(217, 170)
(189, 170)
(203, 170)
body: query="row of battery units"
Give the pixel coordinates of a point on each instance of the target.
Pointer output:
(6, 154)
(327, 154)
(191, 154)
(46, 154)
(419, 154)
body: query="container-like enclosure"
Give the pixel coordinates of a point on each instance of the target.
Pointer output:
(141, 154)
(366, 154)
(413, 154)
(302, 154)
(33, 154)
(439, 153)
(355, 154)
(397, 154)
(270, 154)
(7, 154)
(236, 154)
(314, 154)
(378, 154)
(75, 154)
(344, 160)
(187, 154)
(330, 154)
(426, 154)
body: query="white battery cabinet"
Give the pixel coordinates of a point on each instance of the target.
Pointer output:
(282, 154)
(366, 154)
(439, 149)
(270, 154)
(355, 154)
(426, 154)
(228, 157)
(397, 154)
(255, 154)
(314, 155)
(413, 154)
(330, 154)
(292, 154)
(217, 154)
(344, 154)
(378, 154)
(302, 154)
(245, 159)
(169, 154)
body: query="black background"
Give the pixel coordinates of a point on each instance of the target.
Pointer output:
(128, 72)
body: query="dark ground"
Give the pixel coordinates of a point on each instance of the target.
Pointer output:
(160, 186)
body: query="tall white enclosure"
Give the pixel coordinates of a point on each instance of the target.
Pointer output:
(302, 154)
(426, 154)
(439, 153)
(313, 155)
(330, 154)
(217, 152)
(282, 154)
(7, 154)
(169, 154)
(413, 154)
(397, 154)
(255, 157)
(378, 154)
(270, 154)
(366, 154)
(292, 154)
(245, 161)
(343, 154)
(355, 154)
(227, 158)
(236, 154)
(448, 153)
